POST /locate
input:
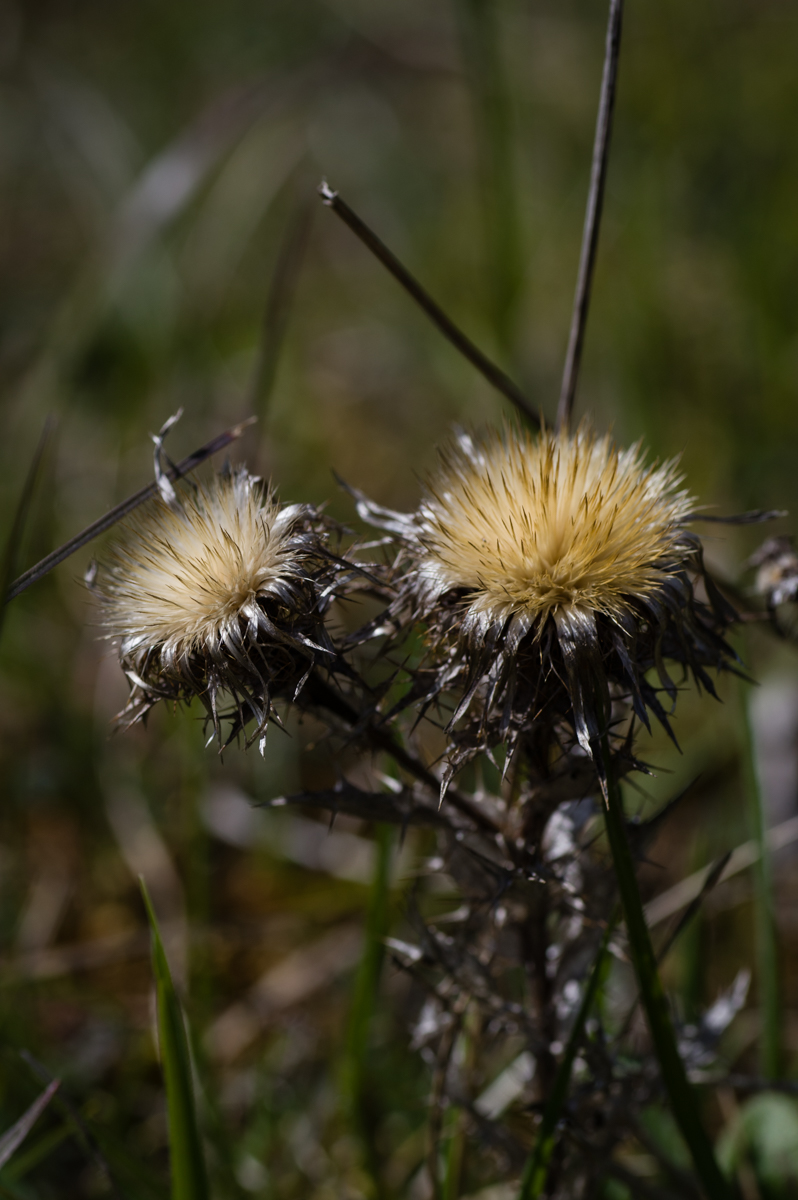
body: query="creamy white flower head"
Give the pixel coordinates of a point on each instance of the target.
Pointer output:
(221, 589)
(534, 525)
(183, 574)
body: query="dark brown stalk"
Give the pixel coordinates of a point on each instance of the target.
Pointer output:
(42, 568)
(590, 232)
(494, 375)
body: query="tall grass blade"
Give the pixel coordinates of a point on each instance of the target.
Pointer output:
(684, 1102)
(455, 1142)
(533, 1181)
(481, 46)
(767, 952)
(189, 1177)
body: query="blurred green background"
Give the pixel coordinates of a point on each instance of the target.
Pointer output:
(153, 159)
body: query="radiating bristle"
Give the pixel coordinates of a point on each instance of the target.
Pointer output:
(531, 525)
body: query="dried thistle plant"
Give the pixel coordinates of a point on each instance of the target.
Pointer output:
(552, 578)
(550, 573)
(218, 590)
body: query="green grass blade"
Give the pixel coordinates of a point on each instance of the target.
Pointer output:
(680, 1093)
(364, 998)
(767, 952)
(455, 1153)
(189, 1178)
(533, 1181)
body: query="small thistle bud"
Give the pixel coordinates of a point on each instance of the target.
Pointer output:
(538, 562)
(219, 590)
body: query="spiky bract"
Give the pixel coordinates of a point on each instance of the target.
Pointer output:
(220, 591)
(541, 561)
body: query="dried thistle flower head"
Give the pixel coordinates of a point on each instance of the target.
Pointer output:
(218, 589)
(532, 528)
(538, 561)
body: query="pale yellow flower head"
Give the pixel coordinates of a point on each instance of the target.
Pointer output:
(534, 525)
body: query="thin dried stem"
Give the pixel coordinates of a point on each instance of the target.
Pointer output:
(595, 200)
(494, 375)
(42, 568)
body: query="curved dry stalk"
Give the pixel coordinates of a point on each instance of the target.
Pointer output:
(494, 375)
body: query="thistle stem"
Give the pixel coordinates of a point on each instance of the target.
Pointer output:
(533, 1181)
(383, 739)
(681, 1094)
